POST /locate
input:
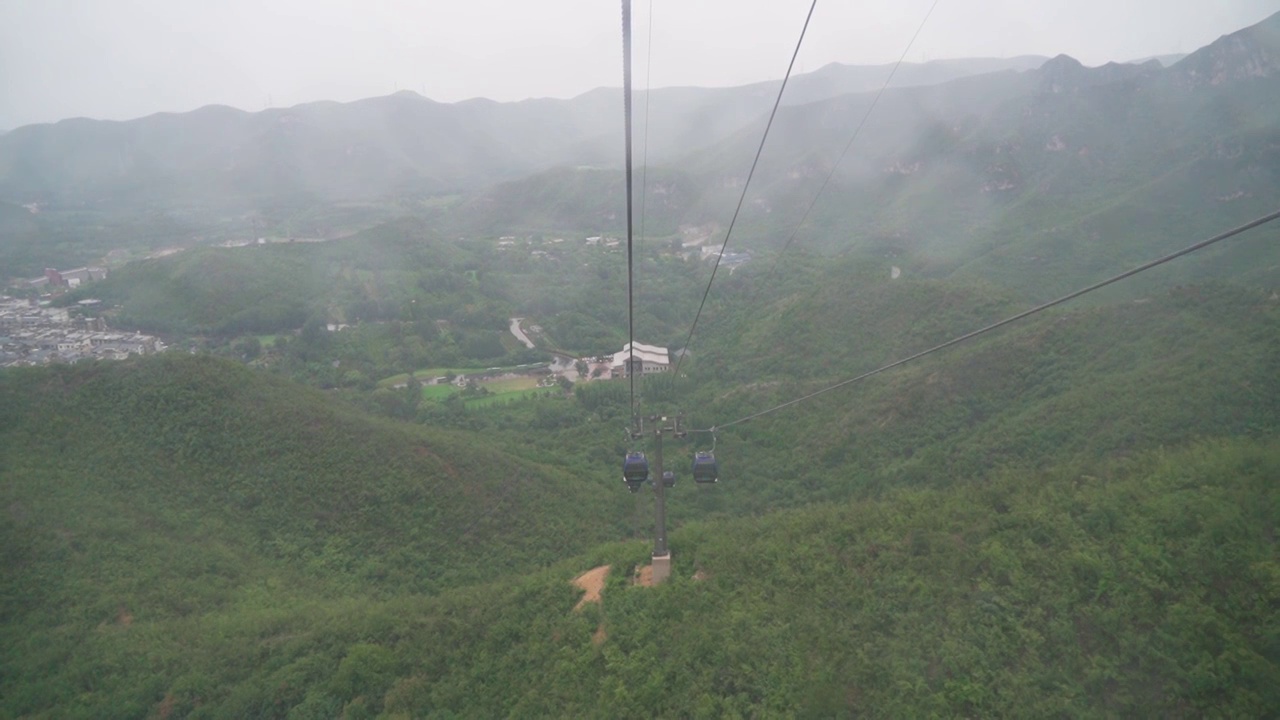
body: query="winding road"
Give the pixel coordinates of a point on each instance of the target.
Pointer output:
(515, 330)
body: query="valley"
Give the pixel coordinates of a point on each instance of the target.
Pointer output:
(363, 456)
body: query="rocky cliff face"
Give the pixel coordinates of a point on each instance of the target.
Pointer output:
(1253, 52)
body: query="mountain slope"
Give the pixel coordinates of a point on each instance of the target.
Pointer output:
(1054, 176)
(380, 147)
(1039, 181)
(181, 448)
(1086, 382)
(184, 533)
(276, 287)
(1139, 588)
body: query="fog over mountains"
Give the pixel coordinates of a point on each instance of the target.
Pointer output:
(960, 133)
(398, 143)
(407, 143)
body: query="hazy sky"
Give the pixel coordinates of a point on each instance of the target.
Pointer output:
(120, 59)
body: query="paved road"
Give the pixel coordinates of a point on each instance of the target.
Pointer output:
(515, 330)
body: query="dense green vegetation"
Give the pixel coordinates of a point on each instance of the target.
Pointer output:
(167, 515)
(277, 287)
(282, 472)
(375, 550)
(408, 301)
(1146, 587)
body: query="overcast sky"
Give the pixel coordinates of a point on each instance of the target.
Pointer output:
(121, 59)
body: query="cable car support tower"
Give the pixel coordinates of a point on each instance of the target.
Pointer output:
(661, 481)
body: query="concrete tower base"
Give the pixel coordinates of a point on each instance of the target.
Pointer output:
(661, 568)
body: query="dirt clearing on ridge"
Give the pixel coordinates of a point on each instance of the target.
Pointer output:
(592, 581)
(644, 576)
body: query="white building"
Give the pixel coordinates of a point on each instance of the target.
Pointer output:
(649, 358)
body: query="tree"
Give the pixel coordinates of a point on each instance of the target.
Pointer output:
(315, 334)
(249, 348)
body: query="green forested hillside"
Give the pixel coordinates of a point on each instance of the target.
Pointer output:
(1142, 367)
(412, 300)
(1066, 387)
(181, 448)
(277, 286)
(571, 200)
(1045, 519)
(1144, 588)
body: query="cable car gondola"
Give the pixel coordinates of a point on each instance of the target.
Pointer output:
(668, 479)
(635, 470)
(705, 469)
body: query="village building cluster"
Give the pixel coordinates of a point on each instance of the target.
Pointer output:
(53, 279)
(32, 333)
(693, 246)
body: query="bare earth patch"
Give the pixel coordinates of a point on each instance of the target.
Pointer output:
(644, 576)
(592, 582)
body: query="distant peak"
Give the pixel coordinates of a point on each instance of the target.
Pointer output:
(1066, 74)
(1062, 62)
(1061, 74)
(1253, 52)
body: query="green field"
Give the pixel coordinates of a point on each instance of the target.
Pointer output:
(503, 390)
(438, 392)
(510, 385)
(496, 399)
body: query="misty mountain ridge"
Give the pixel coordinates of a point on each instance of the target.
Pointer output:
(955, 134)
(401, 143)
(1037, 180)
(1066, 73)
(1253, 52)
(1164, 60)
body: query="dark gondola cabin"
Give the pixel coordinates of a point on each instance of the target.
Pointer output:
(668, 479)
(635, 470)
(705, 469)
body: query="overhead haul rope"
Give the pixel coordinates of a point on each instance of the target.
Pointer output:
(745, 185)
(874, 101)
(626, 104)
(1026, 313)
(644, 154)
